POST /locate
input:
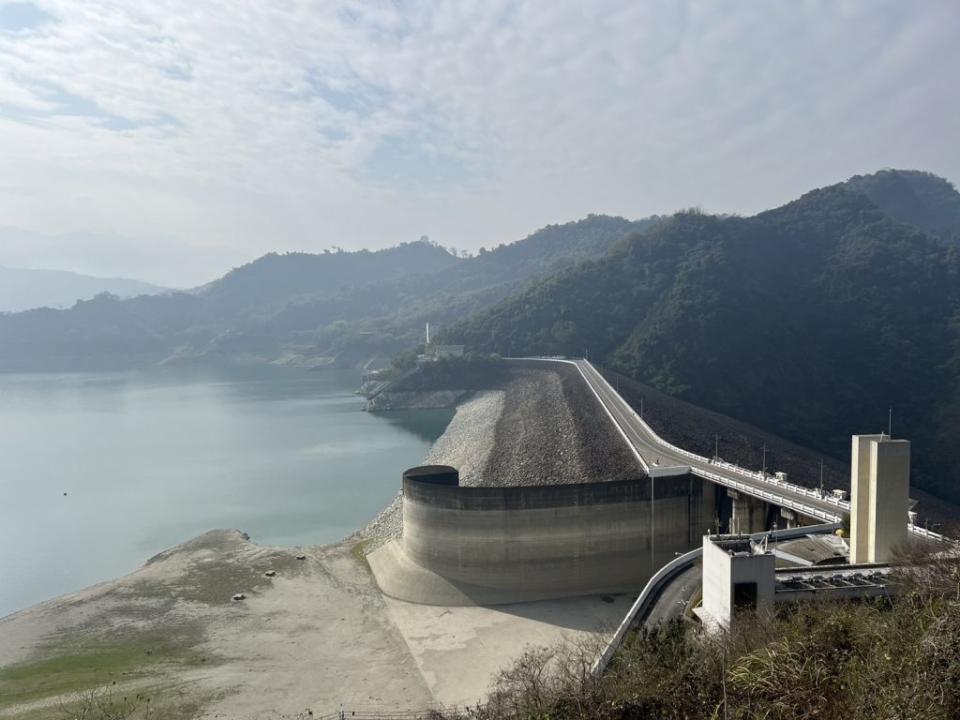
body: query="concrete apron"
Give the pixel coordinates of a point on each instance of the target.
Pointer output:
(401, 578)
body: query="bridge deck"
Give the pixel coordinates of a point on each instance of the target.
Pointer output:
(652, 451)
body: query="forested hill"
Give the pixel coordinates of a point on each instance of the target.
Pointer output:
(918, 198)
(298, 307)
(808, 321)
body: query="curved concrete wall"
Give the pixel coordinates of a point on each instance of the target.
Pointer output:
(522, 543)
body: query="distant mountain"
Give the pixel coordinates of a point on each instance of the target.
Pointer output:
(22, 289)
(808, 321)
(375, 321)
(348, 307)
(910, 196)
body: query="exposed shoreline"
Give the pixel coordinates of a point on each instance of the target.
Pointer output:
(315, 634)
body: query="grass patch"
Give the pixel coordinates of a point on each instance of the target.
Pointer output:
(213, 581)
(79, 670)
(359, 552)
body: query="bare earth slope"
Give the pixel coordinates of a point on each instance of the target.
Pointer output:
(315, 632)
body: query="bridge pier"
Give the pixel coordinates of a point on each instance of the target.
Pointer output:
(748, 515)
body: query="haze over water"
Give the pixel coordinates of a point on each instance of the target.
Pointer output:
(98, 472)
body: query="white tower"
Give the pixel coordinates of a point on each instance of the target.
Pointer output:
(879, 497)
(428, 333)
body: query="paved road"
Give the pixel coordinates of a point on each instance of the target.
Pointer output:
(674, 597)
(652, 451)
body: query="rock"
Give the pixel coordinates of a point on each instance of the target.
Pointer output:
(415, 399)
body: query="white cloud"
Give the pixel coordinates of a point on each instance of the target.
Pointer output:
(253, 126)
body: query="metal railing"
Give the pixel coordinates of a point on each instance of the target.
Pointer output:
(374, 713)
(655, 585)
(843, 506)
(729, 467)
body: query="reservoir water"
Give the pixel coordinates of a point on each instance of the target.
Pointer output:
(98, 472)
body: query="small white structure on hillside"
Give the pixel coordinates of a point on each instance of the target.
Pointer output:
(433, 352)
(442, 352)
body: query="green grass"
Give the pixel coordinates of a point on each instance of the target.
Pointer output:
(359, 552)
(78, 670)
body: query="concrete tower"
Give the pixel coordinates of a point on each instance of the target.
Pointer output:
(879, 495)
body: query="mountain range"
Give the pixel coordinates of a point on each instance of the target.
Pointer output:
(352, 308)
(23, 289)
(810, 320)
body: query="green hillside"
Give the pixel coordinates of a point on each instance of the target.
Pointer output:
(808, 321)
(910, 196)
(349, 306)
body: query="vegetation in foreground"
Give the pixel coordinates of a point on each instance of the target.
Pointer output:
(824, 660)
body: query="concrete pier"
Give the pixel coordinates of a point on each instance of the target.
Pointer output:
(748, 515)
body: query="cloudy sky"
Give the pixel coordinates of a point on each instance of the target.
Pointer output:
(171, 139)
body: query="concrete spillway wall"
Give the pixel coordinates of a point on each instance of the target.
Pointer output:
(509, 544)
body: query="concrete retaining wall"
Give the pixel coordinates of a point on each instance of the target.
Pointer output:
(520, 543)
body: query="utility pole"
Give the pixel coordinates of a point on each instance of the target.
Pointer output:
(764, 460)
(641, 407)
(716, 446)
(653, 525)
(821, 477)
(890, 422)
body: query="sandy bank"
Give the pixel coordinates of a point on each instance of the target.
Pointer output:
(316, 634)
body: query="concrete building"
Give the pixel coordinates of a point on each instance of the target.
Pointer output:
(494, 545)
(738, 574)
(443, 352)
(880, 497)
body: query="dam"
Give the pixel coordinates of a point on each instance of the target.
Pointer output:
(487, 544)
(496, 545)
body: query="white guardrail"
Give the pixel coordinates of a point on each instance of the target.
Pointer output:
(655, 585)
(843, 506)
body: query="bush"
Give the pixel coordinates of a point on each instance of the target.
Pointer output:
(849, 661)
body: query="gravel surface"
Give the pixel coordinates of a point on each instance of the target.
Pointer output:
(553, 431)
(468, 441)
(466, 444)
(542, 426)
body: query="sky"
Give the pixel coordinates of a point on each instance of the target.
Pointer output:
(170, 140)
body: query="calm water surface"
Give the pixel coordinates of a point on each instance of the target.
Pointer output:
(100, 471)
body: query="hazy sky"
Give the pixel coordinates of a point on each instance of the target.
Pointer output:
(171, 139)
